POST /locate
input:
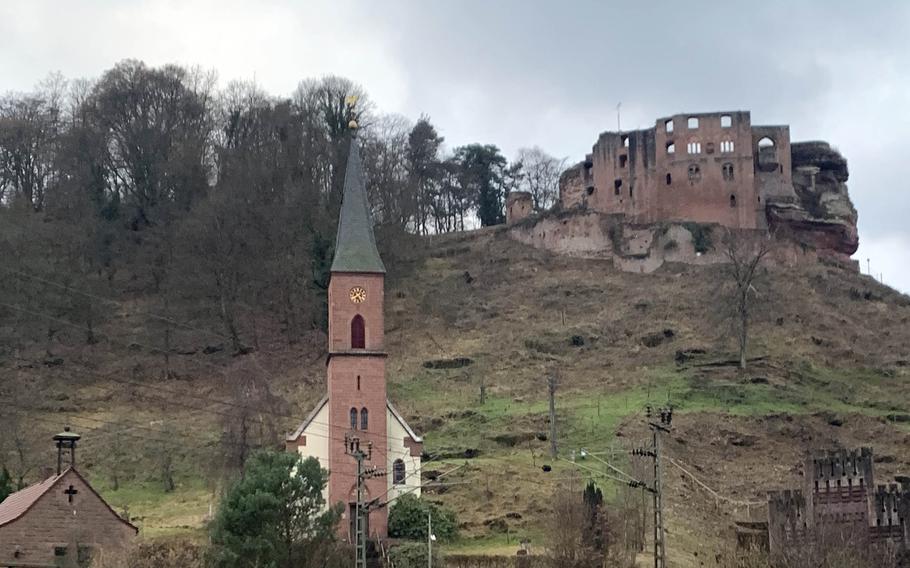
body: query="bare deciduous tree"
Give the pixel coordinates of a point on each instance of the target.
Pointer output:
(567, 545)
(539, 175)
(744, 257)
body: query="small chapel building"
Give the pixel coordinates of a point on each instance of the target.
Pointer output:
(356, 405)
(61, 521)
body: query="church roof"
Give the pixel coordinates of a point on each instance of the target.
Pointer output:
(21, 502)
(355, 243)
(310, 417)
(402, 421)
(16, 504)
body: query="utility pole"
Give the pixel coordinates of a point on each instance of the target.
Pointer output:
(552, 381)
(658, 426)
(362, 509)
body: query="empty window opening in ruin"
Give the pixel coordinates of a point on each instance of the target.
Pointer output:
(671, 148)
(726, 146)
(625, 140)
(728, 171)
(668, 126)
(765, 142)
(693, 123)
(694, 172)
(617, 186)
(669, 179)
(726, 121)
(693, 147)
(590, 190)
(622, 160)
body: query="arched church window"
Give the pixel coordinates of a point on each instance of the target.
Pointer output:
(364, 419)
(353, 419)
(398, 472)
(358, 332)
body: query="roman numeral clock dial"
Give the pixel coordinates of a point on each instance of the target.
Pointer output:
(358, 295)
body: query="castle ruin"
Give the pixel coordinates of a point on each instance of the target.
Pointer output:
(714, 169)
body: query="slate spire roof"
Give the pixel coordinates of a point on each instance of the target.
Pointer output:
(355, 244)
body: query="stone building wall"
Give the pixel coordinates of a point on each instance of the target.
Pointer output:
(356, 379)
(53, 522)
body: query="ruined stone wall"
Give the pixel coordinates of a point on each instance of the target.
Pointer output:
(714, 183)
(773, 168)
(689, 167)
(574, 184)
(717, 168)
(640, 247)
(519, 205)
(580, 233)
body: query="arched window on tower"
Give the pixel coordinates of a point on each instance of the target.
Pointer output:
(353, 419)
(358, 333)
(364, 419)
(398, 472)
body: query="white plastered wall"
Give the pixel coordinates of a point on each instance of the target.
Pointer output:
(317, 442)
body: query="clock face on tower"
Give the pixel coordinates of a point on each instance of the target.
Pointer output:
(358, 294)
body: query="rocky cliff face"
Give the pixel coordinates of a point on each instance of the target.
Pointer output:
(823, 217)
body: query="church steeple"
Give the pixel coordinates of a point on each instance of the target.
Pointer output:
(355, 244)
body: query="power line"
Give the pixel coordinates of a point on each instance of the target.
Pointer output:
(713, 492)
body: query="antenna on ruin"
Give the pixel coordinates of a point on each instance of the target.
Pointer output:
(618, 125)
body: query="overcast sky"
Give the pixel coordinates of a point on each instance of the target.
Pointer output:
(521, 73)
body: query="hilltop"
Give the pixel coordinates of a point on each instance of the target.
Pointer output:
(830, 363)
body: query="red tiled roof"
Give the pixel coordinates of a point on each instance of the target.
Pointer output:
(18, 503)
(21, 501)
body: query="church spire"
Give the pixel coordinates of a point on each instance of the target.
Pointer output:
(355, 244)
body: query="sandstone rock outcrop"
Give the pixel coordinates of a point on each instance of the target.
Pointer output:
(823, 217)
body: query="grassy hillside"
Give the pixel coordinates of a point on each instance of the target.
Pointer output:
(831, 363)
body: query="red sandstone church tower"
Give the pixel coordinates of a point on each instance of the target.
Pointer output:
(356, 404)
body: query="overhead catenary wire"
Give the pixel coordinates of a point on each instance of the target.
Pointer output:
(717, 496)
(631, 483)
(609, 465)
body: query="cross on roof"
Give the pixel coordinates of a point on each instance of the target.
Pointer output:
(71, 492)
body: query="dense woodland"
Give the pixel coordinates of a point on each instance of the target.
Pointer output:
(157, 183)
